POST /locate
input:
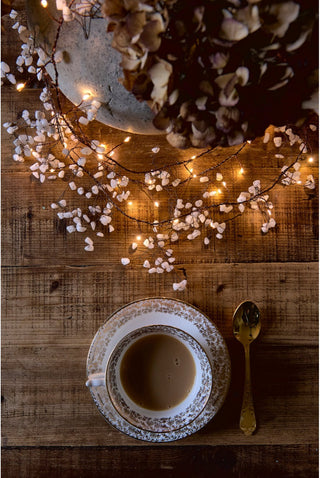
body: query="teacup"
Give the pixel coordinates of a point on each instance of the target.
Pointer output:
(158, 378)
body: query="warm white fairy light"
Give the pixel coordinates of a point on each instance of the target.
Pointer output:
(44, 3)
(156, 204)
(249, 141)
(20, 86)
(224, 184)
(111, 153)
(241, 171)
(219, 191)
(100, 156)
(194, 175)
(193, 157)
(138, 238)
(86, 96)
(130, 203)
(127, 139)
(310, 160)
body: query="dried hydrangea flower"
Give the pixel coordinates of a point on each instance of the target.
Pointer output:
(208, 70)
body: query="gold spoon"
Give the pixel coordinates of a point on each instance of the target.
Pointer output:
(246, 328)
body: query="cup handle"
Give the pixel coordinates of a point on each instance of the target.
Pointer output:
(95, 380)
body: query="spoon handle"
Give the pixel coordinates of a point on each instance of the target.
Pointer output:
(247, 417)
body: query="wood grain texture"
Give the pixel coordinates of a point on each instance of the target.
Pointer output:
(53, 314)
(45, 402)
(166, 462)
(55, 296)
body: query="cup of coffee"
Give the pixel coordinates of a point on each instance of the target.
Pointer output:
(158, 377)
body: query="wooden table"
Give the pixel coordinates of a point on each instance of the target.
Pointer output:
(56, 296)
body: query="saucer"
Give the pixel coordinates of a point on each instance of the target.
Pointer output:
(168, 312)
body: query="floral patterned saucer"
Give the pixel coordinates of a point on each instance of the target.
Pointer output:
(168, 312)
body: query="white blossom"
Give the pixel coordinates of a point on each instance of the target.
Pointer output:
(277, 141)
(310, 182)
(125, 261)
(176, 182)
(179, 286)
(13, 14)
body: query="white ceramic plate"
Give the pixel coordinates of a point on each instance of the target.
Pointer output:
(160, 311)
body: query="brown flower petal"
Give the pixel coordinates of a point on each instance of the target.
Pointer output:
(227, 118)
(206, 88)
(188, 111)
(243, 75)
(135, 22)
(284, 14)
(219, 60)
(178, 140)
(130, 5)
(250, 17)
(233, 30)
(162, 121)
(150, 38)
(236, 137)
(230, 100)
(113, 9)
(121, 38)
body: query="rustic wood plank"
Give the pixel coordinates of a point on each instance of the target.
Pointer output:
(53, 314)
(32, 228)
(295, 237)
(45, 401)
(70, 303)
(295, 461)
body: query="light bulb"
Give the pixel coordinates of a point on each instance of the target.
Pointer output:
(20, 86)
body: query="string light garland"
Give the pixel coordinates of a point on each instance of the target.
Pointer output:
(192, 198)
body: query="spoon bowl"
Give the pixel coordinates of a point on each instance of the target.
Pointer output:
(246, 322)
(246, 328)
